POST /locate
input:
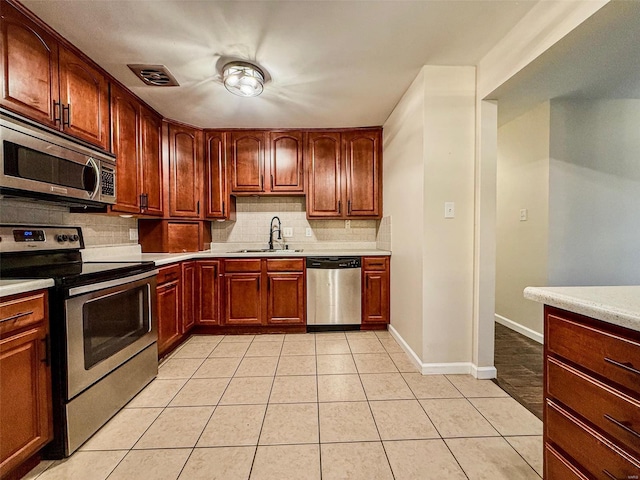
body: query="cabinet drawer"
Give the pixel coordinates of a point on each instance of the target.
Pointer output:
(612, 411)
(285, 265)
(597, 455)
(556, 466)
(169, 274)
(242, 265)
(21, 311)
(374, 263)
(613, 357)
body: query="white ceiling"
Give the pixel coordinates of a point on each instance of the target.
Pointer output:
(599, 59)
(331, 63)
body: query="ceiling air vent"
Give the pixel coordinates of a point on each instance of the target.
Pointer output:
(156, 75)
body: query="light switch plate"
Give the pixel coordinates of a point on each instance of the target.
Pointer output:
(524, 214)
(133, 234)
(449, 210)
(287, 232)
(308, 232)
(347, 224)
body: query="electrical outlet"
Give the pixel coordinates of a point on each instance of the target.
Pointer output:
(308, 232)
(133, 234)
(287, 232)
(449, 210)
(347, 224)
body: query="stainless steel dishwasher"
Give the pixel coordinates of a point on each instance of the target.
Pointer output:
(333, 293)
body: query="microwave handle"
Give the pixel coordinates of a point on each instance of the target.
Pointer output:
(92, 163)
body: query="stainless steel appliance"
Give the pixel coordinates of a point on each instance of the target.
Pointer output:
(103, 327)
(334, 293)
(38, 163)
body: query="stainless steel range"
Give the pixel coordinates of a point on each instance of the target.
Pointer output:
(102, 322)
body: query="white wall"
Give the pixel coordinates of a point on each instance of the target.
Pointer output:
(429, 143)
(522, 183)
(403, 193)
(594, 222)
(449, 153)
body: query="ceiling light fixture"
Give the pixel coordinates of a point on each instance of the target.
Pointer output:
(243, 79)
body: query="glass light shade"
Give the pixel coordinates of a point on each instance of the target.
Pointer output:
(243, 79)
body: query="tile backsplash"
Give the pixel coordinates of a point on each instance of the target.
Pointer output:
(96, 229)
(255, 213)
(383, 240)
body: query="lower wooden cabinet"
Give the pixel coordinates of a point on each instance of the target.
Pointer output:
(189, 303)
(264, 292)
(592, 398)
(208, 292)
(169, 307)
(375, 290)
(25, 380)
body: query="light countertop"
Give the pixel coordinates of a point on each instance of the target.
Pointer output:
(13, 287)
(616, 305)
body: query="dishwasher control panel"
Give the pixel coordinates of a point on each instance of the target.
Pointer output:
(334, 262)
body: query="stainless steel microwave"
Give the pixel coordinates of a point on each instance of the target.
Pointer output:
(39, 164)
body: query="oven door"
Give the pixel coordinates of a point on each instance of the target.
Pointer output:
(107, 324)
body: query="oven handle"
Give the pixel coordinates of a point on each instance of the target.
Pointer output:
(111, 283)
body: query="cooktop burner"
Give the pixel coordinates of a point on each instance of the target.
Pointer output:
(54, 252)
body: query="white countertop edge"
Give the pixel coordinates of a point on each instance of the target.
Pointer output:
(14, 287)
(617, 305)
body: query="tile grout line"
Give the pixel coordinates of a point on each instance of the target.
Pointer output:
(266, 409)
(315, 343)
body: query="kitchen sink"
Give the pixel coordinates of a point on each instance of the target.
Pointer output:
(266, 250)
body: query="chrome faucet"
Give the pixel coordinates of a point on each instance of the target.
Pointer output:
(271, 230)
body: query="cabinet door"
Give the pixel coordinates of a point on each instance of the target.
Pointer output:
(29, 60)
(375, 296)
(208, 292)
(151, 162)
(25, 396)
(324, 176)
(169, 320)
(184, 177)
(125, 123)
(189, 307)
(247, 161)
(285, 298)
(84, 93)
(286, 165)
(243, 305)
(216, 178)
(363, 172)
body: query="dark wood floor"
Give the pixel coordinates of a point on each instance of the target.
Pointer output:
(518, 360)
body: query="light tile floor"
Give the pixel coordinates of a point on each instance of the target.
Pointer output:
(308, 406)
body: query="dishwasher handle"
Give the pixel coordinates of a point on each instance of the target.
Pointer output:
(333, 263)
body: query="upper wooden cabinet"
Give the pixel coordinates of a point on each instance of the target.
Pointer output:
(286, 168)
(44, 80)
(137, 144)
(185, 170)
(324, 175)
(344, 172)
(266, 162)
(219, 204)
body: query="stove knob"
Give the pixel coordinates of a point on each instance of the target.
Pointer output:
(73, 238)
(62, 238)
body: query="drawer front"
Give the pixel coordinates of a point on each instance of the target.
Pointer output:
(239, 266)
(611, 356)
(21, 311)
(374, 263)
(593, 452)
(169, 274)
(285, 265)
(613, 412)
(558, 467)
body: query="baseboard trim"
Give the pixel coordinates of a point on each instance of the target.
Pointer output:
(405, 346)
(442, 368)
(484, 373)
(516, 327)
